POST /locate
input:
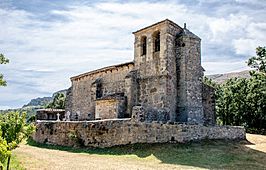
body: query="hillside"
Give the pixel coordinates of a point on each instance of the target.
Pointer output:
(34, 104)
(42, 101)
(221, 78)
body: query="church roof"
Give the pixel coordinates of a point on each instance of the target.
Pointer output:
(166, 20)
(101, 70)
(185, 31)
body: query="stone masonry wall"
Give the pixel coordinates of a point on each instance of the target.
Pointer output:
(190, 72)
(107, 133)
(83, 92)
(69, 100)
(131, 90)
(106, 109)
(208, 101)
(110, 108)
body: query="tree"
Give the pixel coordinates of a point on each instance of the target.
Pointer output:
(256, 97)
(13, 130)
(241, 101)
(209, 82)
(231, 101)
(259, 61)
(4, 152)
(58, 102)
(3, 60)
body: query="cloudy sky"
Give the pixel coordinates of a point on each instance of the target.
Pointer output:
(48, 41)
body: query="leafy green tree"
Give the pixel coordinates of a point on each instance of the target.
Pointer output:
(4, 152)
(209, 82)
(3, 60)
(259, 61)
(58, 102)
(241, 101)
(231, 101)
(256, 113)
(13, 130)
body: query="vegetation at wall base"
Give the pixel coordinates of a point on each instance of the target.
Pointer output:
(256, 131)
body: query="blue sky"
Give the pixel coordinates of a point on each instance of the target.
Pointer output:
(49, 41)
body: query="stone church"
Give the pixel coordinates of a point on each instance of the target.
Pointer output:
(163, 83)
(157, 98)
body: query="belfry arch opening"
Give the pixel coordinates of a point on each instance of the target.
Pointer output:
(143, 45)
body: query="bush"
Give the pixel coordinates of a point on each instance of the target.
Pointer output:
(13, 129)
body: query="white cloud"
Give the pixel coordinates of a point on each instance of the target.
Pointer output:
(253, 38)
(223, 28)
(258, 2)
(245, 46)
(228, 66)
(5, 107)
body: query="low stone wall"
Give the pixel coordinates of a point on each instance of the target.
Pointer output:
(107, 133)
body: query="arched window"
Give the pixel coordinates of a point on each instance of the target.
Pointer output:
(99, 92)
(143, 45)
(156, 41)
(99, 88)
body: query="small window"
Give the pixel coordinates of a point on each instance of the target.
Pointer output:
(144, 45)
(98, 88)
(99, 91)
(156, 41)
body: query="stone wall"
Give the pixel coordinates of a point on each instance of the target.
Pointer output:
(84, 89)
(132, 90)
(110, 108)
(50, 114)
(69, 100)
(208, 101)
(107, 133)
(145, 114)
(189, 73)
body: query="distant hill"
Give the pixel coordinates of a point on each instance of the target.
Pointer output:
(34, 104)
(42, 101)
(221, 78)
(30, 110)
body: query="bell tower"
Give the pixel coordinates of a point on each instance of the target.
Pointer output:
(155, 60)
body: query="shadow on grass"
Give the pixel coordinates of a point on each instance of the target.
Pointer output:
(205, 154)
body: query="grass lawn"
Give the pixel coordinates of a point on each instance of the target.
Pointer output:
(249, 154)
(14, 163)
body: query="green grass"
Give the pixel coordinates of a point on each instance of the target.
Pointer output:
(14, 164)
(204, 154)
